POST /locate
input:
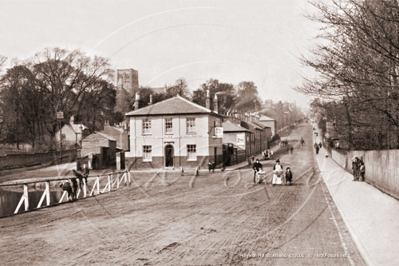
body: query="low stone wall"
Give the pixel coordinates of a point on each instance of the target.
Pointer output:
(340, 158)
(21, 160)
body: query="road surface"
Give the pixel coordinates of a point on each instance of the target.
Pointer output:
(212, 219)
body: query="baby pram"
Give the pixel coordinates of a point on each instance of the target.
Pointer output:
(277, 177)
(260, 176)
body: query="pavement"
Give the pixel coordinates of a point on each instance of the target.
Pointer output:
(371, 216)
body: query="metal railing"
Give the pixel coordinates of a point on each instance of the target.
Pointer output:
(102, 184)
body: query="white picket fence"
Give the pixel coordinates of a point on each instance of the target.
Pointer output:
(113, 181)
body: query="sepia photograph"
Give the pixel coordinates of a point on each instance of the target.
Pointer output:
(199, 132)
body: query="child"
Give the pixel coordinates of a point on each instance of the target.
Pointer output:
(288, 176)
(362, 171)
(67, 187)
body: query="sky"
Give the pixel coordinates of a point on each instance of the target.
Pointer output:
(231, 41)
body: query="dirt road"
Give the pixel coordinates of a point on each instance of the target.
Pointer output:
(212, 219)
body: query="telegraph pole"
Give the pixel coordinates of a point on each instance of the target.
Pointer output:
(60, 116)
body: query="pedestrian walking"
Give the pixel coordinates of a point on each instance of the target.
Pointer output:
(320, 145)
(278, 171)
(288, 176)
(317, 149)
(355, 168)
(211, 167)
(257, 166)
(291, 149)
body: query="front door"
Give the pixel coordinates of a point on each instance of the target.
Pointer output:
(169, 154)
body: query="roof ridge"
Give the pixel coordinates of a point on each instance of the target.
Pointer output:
(190, 102)
(104, 135)
(150, 106)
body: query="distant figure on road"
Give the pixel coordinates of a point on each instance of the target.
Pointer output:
(302, 141)
(316, 146)
(320, 145)
(291, 150)
(211, 166)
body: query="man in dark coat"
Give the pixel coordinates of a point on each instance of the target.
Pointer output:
(257, 165)
(355, 168)
(288, 176)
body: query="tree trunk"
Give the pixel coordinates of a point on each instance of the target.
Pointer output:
(349, 126)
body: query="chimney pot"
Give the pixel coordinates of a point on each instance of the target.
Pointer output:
(215, 104)
(208, 100)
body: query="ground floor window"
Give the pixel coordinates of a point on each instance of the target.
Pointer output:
(147, 153)
(191, 152)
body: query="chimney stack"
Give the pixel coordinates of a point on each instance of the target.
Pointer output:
(72, 120)
(150, 100)
(208, 100)
(215, 104)
(136, 102)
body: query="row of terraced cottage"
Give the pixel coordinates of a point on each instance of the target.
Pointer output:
(177, 133)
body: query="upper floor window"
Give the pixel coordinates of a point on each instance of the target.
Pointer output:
(168, 126)
(191, 125)
(146, 126)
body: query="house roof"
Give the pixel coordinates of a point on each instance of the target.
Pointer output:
(98, 136)
(175, 105)
(260, 124)
(112, 130)
(76, 127)
(231, 127)
(252, 124)
(265, 118)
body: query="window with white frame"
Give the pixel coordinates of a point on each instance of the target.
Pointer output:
(168, 126)
(191, 152)
(147, 153)
(191, 125)
(146, 126)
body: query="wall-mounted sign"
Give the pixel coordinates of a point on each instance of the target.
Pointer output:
(60, 115)
(219, 132)
(241, 139)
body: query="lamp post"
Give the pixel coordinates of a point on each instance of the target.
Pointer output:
(79, 147)
(1, 121)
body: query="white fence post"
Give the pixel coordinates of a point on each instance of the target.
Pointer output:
(98, 185)
(24, 199)
(46, 194)
(84, 189)
(109, 183)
